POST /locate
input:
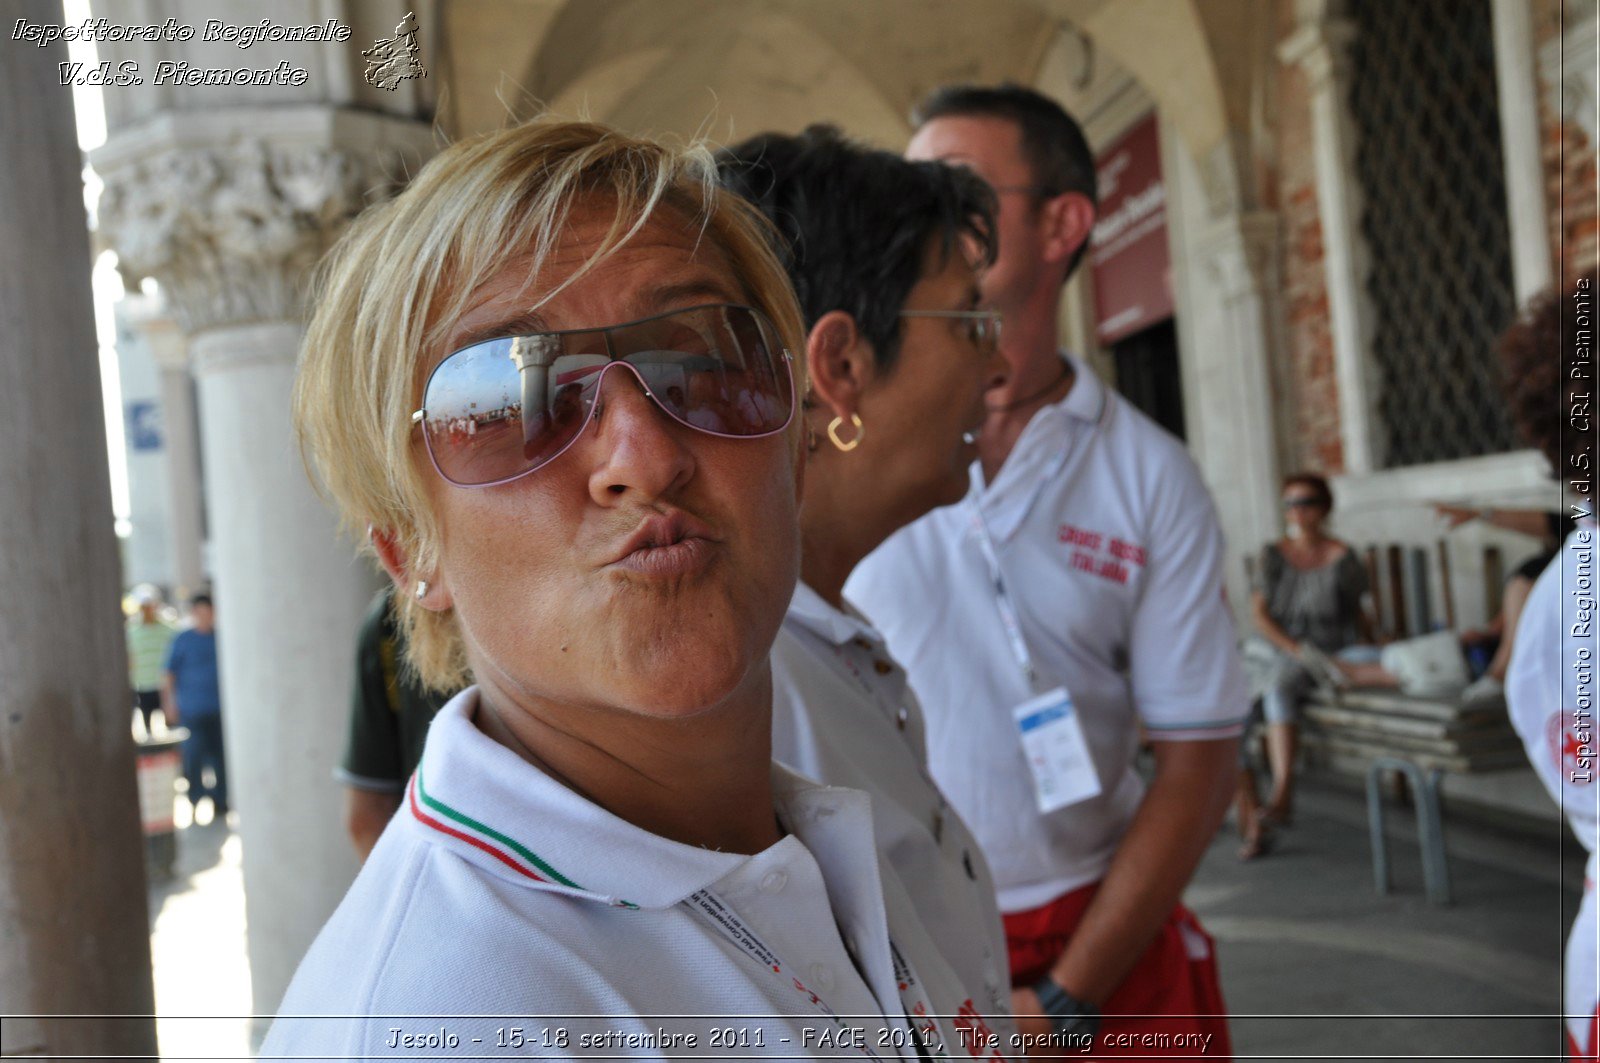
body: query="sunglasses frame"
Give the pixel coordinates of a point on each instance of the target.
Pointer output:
(763, 323)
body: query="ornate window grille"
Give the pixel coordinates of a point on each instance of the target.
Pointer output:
(1423, 99)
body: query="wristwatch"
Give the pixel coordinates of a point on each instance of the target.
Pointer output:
(1067, 1013)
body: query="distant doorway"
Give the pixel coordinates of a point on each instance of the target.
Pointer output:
(1147, 374)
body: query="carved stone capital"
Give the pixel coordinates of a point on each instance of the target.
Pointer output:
(232, 230)
(1242, 253)
(1321, 48)
(1567, 68)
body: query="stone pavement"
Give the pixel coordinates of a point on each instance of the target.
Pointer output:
(197, 945)
(1315, 965)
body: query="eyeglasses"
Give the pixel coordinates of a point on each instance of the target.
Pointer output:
(983, 326)
(502, 408)
(1042, 191)
(1302, 502)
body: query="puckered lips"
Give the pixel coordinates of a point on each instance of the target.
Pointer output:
(667, 545)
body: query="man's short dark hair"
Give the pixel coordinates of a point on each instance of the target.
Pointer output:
(199, 599)
(1052, 141)
(857, 224)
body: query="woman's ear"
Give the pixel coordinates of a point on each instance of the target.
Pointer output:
(427, 590)
(840, 363)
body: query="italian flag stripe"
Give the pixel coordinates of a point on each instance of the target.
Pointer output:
(550, 873)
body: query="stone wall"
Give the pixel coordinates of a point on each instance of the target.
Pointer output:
(1568, 147)
(1313, 387)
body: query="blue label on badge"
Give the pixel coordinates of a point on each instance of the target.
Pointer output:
(1047, 715)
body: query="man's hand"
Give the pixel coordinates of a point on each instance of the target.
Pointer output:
(1181, 811)
(1453, 516)
(1025, 1008)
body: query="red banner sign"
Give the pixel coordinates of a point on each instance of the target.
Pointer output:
(1128, 251)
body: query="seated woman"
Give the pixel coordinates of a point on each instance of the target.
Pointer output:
(1308, 603)
(551, 378)
(884, 256)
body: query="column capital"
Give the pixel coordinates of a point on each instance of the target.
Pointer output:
(1321, 48)
(231, 225)
(1567, 66)
(1242, 251)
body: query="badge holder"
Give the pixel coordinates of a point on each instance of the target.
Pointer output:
(1048, 726)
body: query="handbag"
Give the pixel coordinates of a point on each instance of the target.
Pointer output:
(1428, 666)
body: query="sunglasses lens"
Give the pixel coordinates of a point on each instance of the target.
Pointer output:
(715, 368)
(504, 407)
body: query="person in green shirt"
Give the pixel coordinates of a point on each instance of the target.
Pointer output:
(148, 636)
(390, 711)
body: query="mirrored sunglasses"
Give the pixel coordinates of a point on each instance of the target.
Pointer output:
(502, 408)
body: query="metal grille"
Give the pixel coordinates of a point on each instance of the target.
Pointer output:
(1422, 95)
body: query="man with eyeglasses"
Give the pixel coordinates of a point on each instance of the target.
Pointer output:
(1073, 599)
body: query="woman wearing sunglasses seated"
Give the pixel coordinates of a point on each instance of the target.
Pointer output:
(884, 255)
(550, 377)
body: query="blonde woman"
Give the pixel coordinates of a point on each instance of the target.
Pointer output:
(552, 377)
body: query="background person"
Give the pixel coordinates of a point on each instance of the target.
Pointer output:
(597, 827)
(390, 711)
(192, 698)
(1086, 558)
(148, 636)
(1551, 529)
(884, 256)
(1312, 622)
(1548, 362)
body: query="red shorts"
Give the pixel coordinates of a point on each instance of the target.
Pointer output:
(1170, 1005)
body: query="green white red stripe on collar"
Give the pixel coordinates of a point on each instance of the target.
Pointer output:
(481, 836)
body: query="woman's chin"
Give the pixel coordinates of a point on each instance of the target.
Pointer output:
(676, 690)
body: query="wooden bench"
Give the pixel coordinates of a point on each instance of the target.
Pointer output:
(1416, 739)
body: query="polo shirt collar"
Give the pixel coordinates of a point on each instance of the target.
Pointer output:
(1039, 454)
(812, 612)
(495, 810)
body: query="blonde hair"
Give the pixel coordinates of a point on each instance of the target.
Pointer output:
(395, 285)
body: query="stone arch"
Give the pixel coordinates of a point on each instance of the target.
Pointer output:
(723, 85)
(1219, 46)
(783, 63)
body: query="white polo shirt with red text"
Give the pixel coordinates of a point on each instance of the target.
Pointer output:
(1110, 552)
(502, 914)
(1550, 692)
(842, 713)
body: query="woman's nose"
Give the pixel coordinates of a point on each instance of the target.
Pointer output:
(637, 447)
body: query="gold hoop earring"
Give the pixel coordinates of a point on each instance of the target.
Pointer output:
(833, 432)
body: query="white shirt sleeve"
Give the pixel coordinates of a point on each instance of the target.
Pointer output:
(1183, 657)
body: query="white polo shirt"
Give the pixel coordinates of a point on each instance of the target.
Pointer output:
(1110, 552)
(1550, 692)
(503, 907)
(842, 713)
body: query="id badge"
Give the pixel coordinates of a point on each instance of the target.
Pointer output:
(1058, 754)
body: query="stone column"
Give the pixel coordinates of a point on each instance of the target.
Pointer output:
(228, 211)
(74, 935)
(1518, 84)
(1321, 48)
(185, 520)
(1240, 255)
